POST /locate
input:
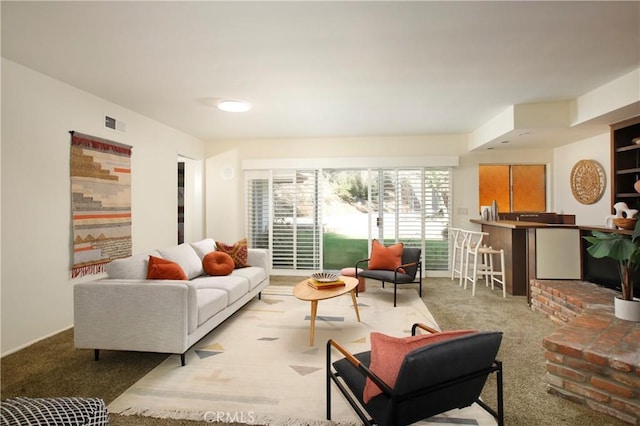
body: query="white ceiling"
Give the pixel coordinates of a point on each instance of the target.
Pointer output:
(326, 69)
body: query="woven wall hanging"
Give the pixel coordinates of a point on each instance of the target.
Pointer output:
(587, 181)
(100, 203)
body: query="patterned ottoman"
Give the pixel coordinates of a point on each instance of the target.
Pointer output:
(53, 411)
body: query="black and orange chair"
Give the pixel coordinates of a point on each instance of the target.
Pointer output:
(404, 272)
(436, 377)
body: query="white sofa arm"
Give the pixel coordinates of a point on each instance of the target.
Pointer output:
(134, 315)
(259, 257)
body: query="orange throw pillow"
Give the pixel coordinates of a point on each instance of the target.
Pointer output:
(238, 252)
(386, 258)
(387, 354)
(217, 263)
(163, 269)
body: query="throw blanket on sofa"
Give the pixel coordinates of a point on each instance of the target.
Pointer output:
(100, 203)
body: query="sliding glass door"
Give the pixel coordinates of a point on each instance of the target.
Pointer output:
(345, 217)
(397, 206)
(325, 219)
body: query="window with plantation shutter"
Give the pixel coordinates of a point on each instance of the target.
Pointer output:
(437, 217)
(413, 207)
(284, 213)
(258, 212)
(283, 217)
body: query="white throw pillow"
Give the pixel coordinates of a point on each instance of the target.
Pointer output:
(130, 268)
(204, 247)
(185, 256)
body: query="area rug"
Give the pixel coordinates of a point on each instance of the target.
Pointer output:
(259, 368)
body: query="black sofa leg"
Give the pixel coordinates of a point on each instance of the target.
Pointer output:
(96, 354)
(183, 359)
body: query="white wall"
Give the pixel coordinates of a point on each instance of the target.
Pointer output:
(564, 158)
(37, 115)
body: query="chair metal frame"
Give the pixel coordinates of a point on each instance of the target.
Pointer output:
(333, 376)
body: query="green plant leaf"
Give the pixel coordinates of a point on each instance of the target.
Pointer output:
(621, 248)
(604, 245)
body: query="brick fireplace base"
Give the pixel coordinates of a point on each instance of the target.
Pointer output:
(593, 358)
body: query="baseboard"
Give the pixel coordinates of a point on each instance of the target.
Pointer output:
(9, 352)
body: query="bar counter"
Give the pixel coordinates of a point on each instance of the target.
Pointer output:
(549, 251)
(534, 250)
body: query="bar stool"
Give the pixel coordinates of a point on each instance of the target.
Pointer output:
(486, 268)
(474, 242)
(459, 237)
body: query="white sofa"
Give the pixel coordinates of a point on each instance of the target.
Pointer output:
(128, 312)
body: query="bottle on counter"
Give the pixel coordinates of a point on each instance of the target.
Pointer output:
(494, 210)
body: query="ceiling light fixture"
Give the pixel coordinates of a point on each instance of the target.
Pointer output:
(233, 105)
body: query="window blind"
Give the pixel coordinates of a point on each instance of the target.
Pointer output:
(284, 213)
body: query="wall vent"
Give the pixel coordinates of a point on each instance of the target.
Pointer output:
(113, 124)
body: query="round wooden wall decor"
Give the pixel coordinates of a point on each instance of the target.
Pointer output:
(587, 181)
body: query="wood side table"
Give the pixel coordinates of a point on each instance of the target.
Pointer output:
(304, 291)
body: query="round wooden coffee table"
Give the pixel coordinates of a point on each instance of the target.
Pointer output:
(304, 291)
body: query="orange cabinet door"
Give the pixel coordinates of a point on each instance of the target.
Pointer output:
(529, 188)
(494, 185)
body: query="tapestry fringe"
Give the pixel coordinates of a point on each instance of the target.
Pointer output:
(239, 418)
(81, 271)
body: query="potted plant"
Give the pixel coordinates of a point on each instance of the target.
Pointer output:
(625, 250)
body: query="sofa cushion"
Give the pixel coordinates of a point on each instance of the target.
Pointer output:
(203, 247)
(217, 263)
(210, 302)
(185, 256)
(238, 251)
(163, 269)
(130, 268)
(253, 274)
(234, 286)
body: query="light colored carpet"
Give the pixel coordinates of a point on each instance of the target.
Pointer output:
(258, 367)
